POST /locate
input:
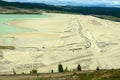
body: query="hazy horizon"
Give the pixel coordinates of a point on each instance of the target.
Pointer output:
(102, 3)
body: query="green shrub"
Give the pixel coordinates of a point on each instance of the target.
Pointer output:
(14, 72)
(34, 71)
(66, 69)
(8, 47)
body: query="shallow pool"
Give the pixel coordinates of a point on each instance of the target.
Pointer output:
(6, 29)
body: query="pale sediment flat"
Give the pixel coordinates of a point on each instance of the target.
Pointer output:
(62, 38)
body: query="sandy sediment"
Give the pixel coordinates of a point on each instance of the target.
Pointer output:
(66, 38)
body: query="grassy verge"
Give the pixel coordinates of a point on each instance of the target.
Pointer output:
(112, 18)
(79, 75)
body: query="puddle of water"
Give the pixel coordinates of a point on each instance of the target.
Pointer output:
(8, 41)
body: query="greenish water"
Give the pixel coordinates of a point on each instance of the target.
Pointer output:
(6, 29)
(8, 41)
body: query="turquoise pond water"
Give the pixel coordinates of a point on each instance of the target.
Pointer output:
(6, 29)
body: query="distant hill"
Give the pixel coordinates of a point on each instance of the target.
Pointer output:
(35, 7)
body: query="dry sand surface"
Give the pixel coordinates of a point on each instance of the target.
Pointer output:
(62, 38)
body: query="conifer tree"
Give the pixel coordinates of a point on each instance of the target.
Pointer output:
(60, 68)
(79, 67)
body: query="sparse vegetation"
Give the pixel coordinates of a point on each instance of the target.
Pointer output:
(112, 18)
(23, 73)
(7, 47)
(78, 75)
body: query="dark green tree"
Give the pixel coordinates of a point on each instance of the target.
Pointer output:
(97, 68)
(79, 67)
(60, 68)
(52, 71)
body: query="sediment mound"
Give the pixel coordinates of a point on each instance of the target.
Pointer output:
(86, 40)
